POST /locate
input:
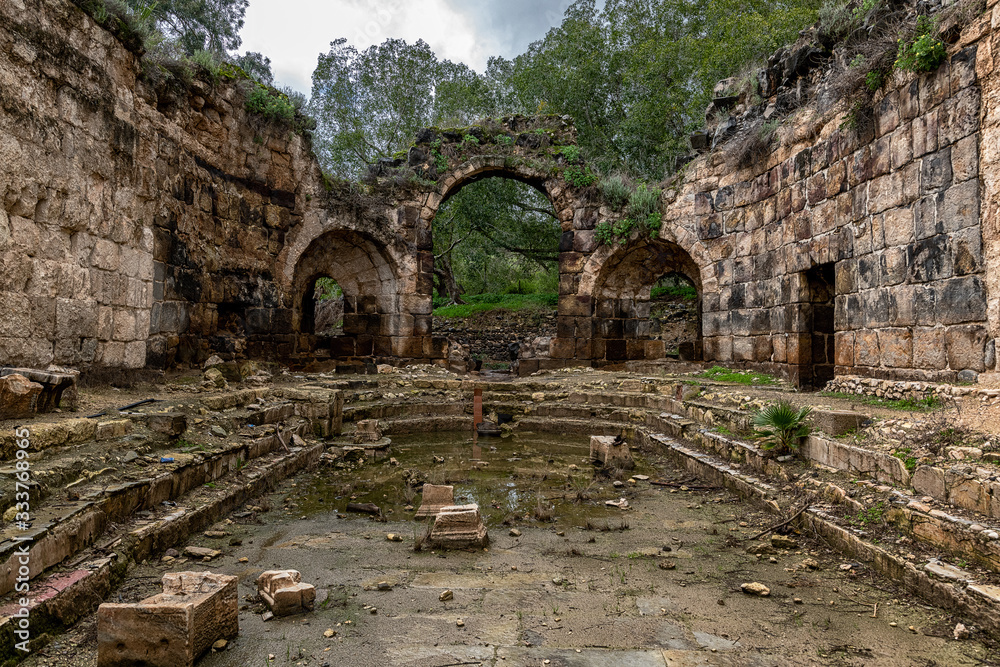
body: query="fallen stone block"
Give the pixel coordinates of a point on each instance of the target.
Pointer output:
(837, 422)
(55, 385)
(172, 424)
(367, 431)
(173, 628)
(18, 396)
(201, 552)
(610, 452)
(284, 593)
(434, 498)
(459, 527)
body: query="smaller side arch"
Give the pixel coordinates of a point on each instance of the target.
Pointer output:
(620, 289)
(370, 280)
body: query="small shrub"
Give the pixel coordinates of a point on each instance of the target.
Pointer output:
(925, 52)
(570, 153)
(505, 140)
(270, 104)
(616, 191)
(781, 426)
(470, 139)
(579, 177)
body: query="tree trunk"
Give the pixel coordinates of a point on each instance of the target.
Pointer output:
(446, 280)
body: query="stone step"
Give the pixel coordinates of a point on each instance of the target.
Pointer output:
(66, 594)
(59, 529)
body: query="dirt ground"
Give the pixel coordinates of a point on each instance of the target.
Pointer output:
(658, 584)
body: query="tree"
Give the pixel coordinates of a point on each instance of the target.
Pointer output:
(257, 65)
(199, 25)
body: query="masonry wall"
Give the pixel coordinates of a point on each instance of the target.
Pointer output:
(137, 226)
(856, 252)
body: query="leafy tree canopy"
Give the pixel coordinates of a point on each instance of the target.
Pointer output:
(199, 25)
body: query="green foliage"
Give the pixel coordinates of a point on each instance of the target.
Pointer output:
(924, 52)
(198, 25)
(488, 302)
(723, 374)
(874, 80)
(925, 404)
(872, 516)
(835, 19)
(642, 213)
(470, 139)
(209, 62)
(903, 454)
(579, 177)
(327, 288)
(781, 426)
(570, 153)
(684, 291)
(616, 191)
(504, 140)
(495, 233)
(255, 66)
(269, 103)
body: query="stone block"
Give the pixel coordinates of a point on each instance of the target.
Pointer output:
(284, 593)
(966, 347)
(837, 422)
(368, 430)
(18, 396)
(173, 628)
(171, 424)
(935, 172)
(435, 497)
(897, 347)
(459, 527)
(929, 481)
(611, 452)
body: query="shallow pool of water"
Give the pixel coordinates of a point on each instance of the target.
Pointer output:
(541, 476)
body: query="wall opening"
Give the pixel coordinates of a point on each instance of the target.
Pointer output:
(675, 316)
(496, 275)
(821, 282)
(323, 308)
(626, 325)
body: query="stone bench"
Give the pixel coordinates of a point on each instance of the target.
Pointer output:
(173, 628)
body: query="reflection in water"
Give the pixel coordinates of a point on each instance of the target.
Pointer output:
(508, 479)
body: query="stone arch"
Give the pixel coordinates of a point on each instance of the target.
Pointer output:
(620, 293)
(369, 276)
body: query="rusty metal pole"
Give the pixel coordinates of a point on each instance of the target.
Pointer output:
(477, 408)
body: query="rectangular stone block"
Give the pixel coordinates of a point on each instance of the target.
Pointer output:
(173, 628)
(434, 498)
(459, 527)
(284, 592)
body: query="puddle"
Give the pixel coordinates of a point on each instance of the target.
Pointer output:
(542, 477)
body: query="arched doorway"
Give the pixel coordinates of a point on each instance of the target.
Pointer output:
(496, 243)
(623, 302)
(353, 269)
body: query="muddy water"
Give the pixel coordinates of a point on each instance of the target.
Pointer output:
(543, 477)
(656, 585)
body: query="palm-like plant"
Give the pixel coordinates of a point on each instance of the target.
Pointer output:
(781, 426)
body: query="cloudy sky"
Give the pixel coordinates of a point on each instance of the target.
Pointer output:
(292, 33)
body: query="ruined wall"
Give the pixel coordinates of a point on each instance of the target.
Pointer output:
(137, 225)
(856, 252)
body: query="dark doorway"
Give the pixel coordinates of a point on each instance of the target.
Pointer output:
(820, 319)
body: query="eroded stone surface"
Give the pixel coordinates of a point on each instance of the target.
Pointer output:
(434, 498)
(459, 527)
(173, 628)
(284, 592)
(18, 396)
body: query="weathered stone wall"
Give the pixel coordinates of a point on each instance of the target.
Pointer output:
(153, 226)
(859, 252)
(137, 226)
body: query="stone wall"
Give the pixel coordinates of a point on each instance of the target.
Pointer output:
(137, 225)
(842, 251)
(149, 225)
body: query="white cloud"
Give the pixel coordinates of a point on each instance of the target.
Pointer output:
(293, 33)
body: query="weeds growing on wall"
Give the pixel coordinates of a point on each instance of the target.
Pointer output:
(642, 212)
